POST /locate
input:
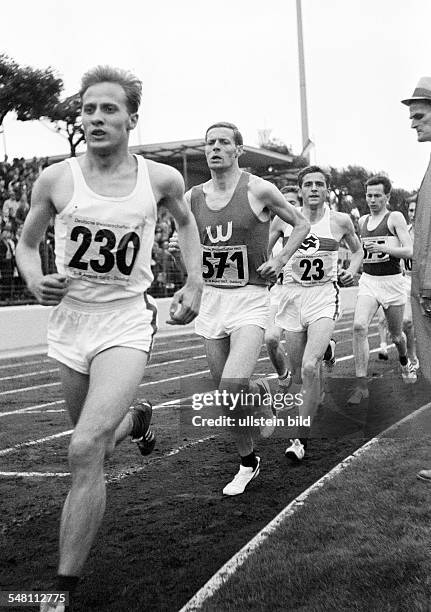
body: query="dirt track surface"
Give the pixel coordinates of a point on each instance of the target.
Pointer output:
(167, 526)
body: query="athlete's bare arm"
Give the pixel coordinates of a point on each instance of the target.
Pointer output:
(398, 226)
(170, 186)
(273, 199)
(346, 277)
(48, 289)
(275, 233)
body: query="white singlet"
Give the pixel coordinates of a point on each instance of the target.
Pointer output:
(316, 260)
(103, 243)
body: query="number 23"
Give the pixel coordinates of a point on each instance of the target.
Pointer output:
(316, 264)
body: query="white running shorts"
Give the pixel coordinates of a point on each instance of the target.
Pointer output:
(300, 306)
(223, 311)
(78, 331)
(388, 290)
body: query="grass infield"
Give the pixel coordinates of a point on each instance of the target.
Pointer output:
(361, 542)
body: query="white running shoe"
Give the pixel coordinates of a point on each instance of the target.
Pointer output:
(408, 373)
(415, 365)
(296, 451)
(285, 382)
(425, 475)
(242, 479)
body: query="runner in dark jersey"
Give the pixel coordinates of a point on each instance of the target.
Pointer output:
(385, 239)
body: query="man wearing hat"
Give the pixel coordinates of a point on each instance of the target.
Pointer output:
(420, 114)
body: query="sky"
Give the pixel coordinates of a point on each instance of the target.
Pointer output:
(237, 61)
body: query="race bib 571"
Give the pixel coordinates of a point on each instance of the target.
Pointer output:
(225, 265)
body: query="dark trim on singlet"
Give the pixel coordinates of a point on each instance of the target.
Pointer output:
(152, 308)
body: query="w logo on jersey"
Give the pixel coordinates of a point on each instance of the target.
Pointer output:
(220, 237)
(310, 245)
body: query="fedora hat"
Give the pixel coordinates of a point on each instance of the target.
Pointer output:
(421, 93)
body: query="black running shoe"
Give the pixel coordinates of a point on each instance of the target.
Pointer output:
(142, 434)
(329, 356)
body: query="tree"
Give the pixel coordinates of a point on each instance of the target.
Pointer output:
(66, 116)
(30, 92)
(399, 198)
(351, 181)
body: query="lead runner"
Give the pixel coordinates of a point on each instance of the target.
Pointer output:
(102, 325)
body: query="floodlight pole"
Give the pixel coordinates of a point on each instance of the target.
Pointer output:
(302, 86)
(3, 132)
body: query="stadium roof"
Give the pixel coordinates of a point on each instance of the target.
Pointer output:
(188, 156)
(194, 149)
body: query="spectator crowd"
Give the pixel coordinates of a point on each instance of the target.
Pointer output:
(16, 183)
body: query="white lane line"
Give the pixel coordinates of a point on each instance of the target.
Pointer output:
(16, 447)
(2, 414)
(163, 380)
(35, 373)
(230, 567)
(154, 382)
(118, 475)
(44, 411)
(23, 389)
(170, 402)
(344, 329)
(30, 408)
(376, 350)
(177, 350)
(21, 364)
(171, 453)
(193, 338)
(34, 474)
(153, 365)
(192, 343)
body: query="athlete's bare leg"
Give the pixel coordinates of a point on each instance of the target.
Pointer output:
(409, 331)
(273, 336)
(383, 333)
(319, 334)
(75, 389)
(394, 317)
(365, 309)
(244, 350)
(296, 342)
(114, 378)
